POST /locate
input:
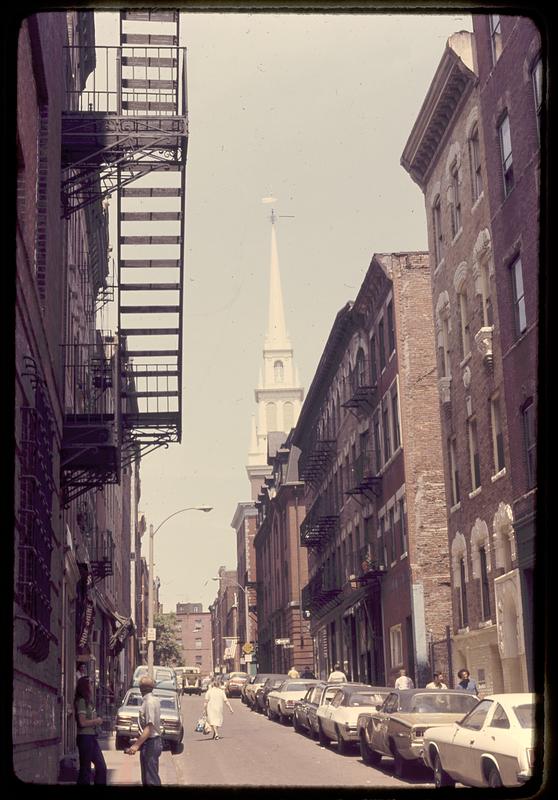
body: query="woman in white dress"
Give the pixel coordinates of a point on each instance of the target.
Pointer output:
(215, 699)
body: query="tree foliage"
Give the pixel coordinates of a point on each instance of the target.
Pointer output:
(168, 648)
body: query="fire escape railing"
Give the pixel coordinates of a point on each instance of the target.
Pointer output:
(363, 477)
(319, 525)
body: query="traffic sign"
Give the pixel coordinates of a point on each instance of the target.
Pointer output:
(282, 641)
(248, 647)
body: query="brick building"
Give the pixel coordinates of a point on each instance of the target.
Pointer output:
(224, 623)
(378, 588)
(445, 155)
(244, 524)
(282, 565)
(510, 73)
(194, 625)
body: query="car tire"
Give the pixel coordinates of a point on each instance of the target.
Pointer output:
(269, 713)
(280, 718)
(399, 764)
(175, 747)
(296, 725)
(341, 743)
(322, 738)
(120, 743)
(369, 756)
(441, 777)
(493, 778)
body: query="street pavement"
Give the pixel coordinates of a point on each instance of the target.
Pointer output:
(254, 751)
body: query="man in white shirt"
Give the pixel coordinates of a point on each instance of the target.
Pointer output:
(437, 682)
(337, 675)
(403, 681)
(149, 742)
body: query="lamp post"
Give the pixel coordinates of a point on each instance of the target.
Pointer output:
(150, 642)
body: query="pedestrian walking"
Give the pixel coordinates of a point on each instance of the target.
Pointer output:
(403, 681)
(215, 700)
(87, 731)
(149, 742)
(293, 673)
(466, 683)
(437, 682)
(337, 675)
(307, 673)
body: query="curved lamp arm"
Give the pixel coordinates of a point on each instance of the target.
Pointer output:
(180, 511)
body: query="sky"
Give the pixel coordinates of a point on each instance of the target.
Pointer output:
(314, 109)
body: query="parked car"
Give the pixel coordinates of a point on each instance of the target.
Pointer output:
(204, 683)
(301, 723)
(280, 701)
(338, 718)
(235, 683)
(191, 680)
(492, 746)
(126, 727)
(243, 689)
(397, 726)
(323, 694)
(273, 682)
(164, 677)
(251, 688)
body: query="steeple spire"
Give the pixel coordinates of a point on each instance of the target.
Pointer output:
(276, 336)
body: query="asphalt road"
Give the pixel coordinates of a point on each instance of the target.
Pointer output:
(253, 751)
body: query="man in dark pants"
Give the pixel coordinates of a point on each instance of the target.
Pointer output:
(149, 742)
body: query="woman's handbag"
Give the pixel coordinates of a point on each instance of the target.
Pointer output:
(200, 725)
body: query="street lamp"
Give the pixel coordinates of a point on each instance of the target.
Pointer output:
(150, 643)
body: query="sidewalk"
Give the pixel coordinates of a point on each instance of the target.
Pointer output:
(124, 770)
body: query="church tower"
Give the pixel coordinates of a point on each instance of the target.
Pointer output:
(279, 395)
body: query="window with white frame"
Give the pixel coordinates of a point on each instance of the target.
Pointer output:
(475, 161)
(377, 441)
(497, 434)
(537, 77)
(396, 645)
(455, 200)
(396, 429)
(402, 526)
(463, 311)
(495, 26)
(504, 136)
(454, 472)
(386, 430)
(474, 456)
(198, 644)
(520, 314)
(437, 230)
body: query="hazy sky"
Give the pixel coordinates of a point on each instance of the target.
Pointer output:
(315, 109)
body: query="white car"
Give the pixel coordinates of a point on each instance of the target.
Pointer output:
(493, 745)
(281, 701)
(338, 719)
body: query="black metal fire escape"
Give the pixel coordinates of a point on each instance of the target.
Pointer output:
(364, 480)
(125, 134)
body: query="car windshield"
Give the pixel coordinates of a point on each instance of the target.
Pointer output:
(168, 702)
(366, 699)
(442, 703)
(525, 715)
(133, 700)
(295, 687)
(239, 674)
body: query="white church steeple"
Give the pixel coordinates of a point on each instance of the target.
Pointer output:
(278, 395)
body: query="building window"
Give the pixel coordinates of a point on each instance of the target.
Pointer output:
(464, 322)
(445, 349)
(360, 368)
(391, 327)
(382, 344)
(463, 613)
(518, 297)
(495, 36)
(382, 543)
(456, 201)
(474, 453)
(454, 473)
(271, 412)
(278, 371)
(402, 527)
(373, 364)
(484, 584)
(288, 416)
(530, 439)
(437, 230)
(393, 547)
(377, 442)
(504, 135)
(396, 646)
(497, 435)
(395, 419)
(387, 435)
(474, 156)
(198, 644)
(486, 300)
(537, 76)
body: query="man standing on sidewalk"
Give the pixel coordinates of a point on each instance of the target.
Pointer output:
(149, 742)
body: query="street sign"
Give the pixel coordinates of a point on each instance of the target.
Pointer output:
(248, 648)
(248, 658)
(282, 641)
(151, 635)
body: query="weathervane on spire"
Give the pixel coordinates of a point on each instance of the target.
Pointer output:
(273, 217)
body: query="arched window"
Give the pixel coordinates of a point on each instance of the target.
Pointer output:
(475, 160)
(278, 371)
(271, 416)
(360, 368)
(437, 230)
(288, 416)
